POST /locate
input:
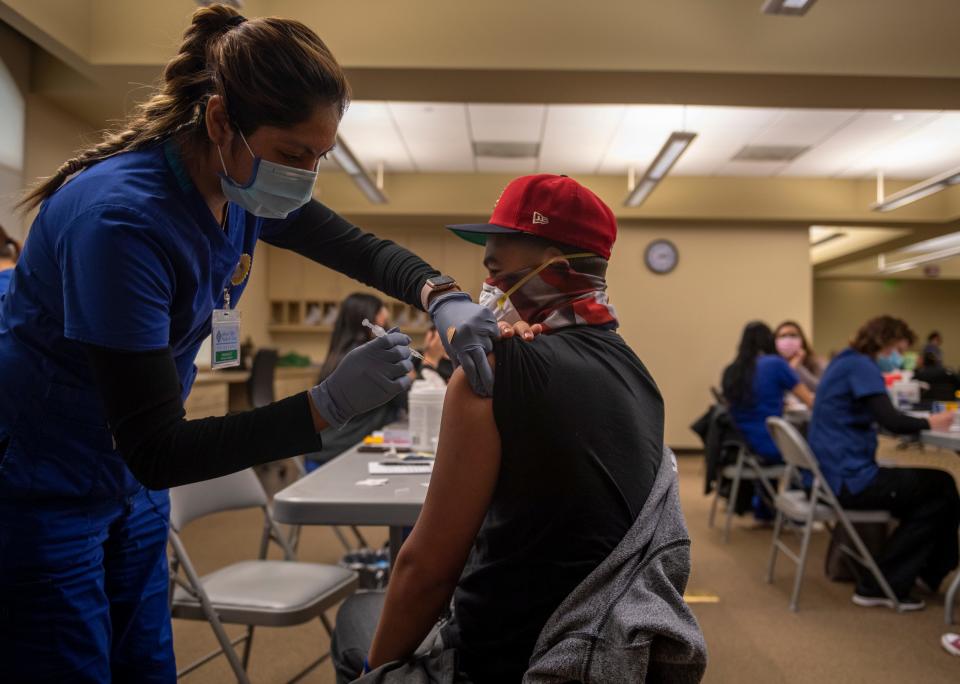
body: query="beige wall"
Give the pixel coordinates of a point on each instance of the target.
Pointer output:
(52, 136)
(684, 326)
(841, 306)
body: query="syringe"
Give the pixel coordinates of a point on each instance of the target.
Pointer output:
(378, 331)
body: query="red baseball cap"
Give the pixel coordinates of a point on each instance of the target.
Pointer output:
(552, 207)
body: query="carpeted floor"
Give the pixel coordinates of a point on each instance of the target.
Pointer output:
(751, 634)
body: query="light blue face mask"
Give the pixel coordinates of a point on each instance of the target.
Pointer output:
(890, 362)
(273, 191)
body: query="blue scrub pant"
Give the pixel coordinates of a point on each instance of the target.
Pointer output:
(84, 591)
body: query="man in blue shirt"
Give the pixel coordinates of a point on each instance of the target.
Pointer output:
(851, 400)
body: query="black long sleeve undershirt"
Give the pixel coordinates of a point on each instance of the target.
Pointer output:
(324, 236)
(891, 419)
(141, 395)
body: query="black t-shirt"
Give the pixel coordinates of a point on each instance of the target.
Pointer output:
(581, 428)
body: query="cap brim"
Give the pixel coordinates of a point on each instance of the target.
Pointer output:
(477, 232)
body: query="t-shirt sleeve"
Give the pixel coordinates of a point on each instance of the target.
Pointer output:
(117, 281)
(786, 378)
(521, 379)
(865, 378)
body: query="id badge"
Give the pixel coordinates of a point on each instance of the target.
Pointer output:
(225, 339)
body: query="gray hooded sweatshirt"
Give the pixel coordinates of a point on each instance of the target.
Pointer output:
(627, 621)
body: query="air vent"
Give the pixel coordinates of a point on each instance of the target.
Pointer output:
(770, 153)
(507, 150)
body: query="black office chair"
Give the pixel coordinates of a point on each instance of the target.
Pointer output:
(260, 384)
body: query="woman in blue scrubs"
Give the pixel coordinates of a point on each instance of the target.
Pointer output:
(754, 386)
(139, 239)
(851, 401)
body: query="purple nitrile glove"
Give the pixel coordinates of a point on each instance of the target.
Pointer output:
(474, 329)
(367, 377)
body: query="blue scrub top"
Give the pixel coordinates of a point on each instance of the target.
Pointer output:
(5, 276)
(843, 432)
(772, 379)
(126, 255)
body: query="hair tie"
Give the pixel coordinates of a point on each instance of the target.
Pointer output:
(235, 21)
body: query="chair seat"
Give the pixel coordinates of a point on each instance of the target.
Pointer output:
(268, 592)
(795, 505)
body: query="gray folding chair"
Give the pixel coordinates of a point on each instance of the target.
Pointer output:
(255, 592)
(821, 505)
(747, 467)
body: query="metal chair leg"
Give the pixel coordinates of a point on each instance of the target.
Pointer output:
(775, 546)
(733, 497)
(951, 599)
(713, 506)
(247, 646)
(801, 564)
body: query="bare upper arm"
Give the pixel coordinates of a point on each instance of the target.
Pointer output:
(803, 393)
(462, 484)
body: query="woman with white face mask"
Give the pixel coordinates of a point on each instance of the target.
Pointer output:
(140, 250)
(792, 345)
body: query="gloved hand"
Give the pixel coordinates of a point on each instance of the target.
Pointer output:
(367, 377)
(474, 329)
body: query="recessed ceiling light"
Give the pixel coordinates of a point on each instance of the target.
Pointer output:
(790, 8)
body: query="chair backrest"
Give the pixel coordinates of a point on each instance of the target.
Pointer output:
(227, 493)
(797, 454)
(262, 371)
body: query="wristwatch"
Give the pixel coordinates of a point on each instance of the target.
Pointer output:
(436, 285)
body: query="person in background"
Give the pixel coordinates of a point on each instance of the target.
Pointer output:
(348, 334)
(943, 383)
(933, 349)
(754, 385)
(435, 362)
(9, 253)
(851, 401)
(792, 345)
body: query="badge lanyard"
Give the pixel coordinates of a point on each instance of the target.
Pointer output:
(225, 326)
(225, 336)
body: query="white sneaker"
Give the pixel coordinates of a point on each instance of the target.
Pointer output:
(951, 642)
(907, 604)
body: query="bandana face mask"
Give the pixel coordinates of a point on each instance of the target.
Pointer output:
(552, 294)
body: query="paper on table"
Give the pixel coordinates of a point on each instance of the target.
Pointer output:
(377, 468)
(373, 482)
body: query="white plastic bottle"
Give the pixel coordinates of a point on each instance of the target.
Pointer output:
(426, 409)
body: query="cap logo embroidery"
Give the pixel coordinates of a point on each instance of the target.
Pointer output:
(539, 218)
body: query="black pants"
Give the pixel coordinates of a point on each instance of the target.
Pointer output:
(925, 542)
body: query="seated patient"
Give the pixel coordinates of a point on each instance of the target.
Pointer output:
(533, 489)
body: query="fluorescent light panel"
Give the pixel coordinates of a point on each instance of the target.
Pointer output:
(347, 161)
(790, 8)
(918, 191)
(668, 155)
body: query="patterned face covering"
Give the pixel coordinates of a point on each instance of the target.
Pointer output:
(553, 295)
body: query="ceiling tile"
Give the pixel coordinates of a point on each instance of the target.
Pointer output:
(520, 167)
(803, 126)
(926, 150)
(640, 135)
(749, 168)
(436, 134)
(368, 129)
(721, 132)
(506, 123)
(575, 137)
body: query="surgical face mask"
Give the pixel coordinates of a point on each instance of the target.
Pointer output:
(274, 190)
(890, 362)
(788, 346)
(495, 298)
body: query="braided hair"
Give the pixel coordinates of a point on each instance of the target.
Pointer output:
(268, 71)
